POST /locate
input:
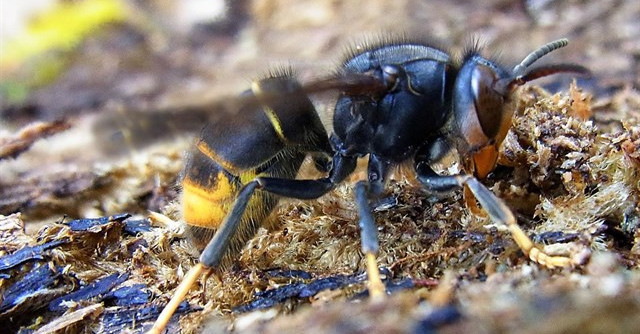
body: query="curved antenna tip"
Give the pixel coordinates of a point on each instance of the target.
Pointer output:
(532, 57)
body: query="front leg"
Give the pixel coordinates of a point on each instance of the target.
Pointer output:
(498, 211)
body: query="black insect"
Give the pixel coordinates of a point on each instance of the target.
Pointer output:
(397, 102)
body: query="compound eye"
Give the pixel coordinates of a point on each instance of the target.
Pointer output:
(488, 102)
(494, 117)
(390, 75)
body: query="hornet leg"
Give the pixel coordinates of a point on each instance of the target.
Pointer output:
(372, 188)
(497, 210)
(215, 250)
(369, 240)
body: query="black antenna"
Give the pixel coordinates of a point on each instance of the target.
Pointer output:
(519, 69)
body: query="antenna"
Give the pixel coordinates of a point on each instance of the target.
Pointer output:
(519, 69)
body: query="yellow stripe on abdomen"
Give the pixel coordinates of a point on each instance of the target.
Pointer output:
(269, 112)
(207, 207)
(205, 149)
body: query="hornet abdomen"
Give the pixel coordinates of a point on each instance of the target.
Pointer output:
(240, 147)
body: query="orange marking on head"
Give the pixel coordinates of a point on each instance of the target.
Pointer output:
(484, 160)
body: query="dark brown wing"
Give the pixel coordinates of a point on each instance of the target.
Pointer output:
(125, 130)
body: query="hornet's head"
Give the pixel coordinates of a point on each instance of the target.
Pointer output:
(481, 103)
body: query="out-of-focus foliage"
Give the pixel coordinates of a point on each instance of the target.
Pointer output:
(26, 60)
(62, 27)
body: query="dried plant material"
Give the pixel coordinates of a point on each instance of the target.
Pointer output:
(393, 316)
(86, 261)
(572, 182)
(69, 321)
(147, 181)
(12, 233)
(443, 294)
(580, 103)
(12, 146)
(49, 189)
(567, 179)
(548, 139)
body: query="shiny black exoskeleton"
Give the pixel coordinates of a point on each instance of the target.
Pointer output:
(397, 102)
(415, 105)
